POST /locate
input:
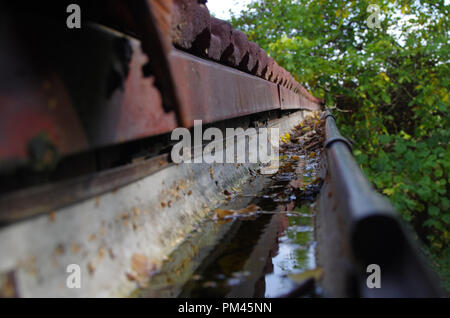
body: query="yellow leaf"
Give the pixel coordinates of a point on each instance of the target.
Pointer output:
(222, 213)
(287, 136)
(299, 278)
(445, 97)
(384, 76)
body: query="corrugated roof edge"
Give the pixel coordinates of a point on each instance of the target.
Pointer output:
(193, 29)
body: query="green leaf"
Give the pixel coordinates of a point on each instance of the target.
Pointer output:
(446, 218)
(385, 139)
(433, 211)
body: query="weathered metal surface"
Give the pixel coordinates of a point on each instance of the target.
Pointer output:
(133, 108)
(238, 48)
(190, 21)
(250, 62)
(94, 89)
(289, 99)
(307, 103)
(34, 104)
(107, 100)
(370, 228)
(106, 235)
(152, 20)
(185, 23)
(50, 197)
(212, 92)
(128, 105)
(262, 61)
(220, 38)
(194, 30)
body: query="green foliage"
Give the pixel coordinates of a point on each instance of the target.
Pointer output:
(441, 265)
(393, 79)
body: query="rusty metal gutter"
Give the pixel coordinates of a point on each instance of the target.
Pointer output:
(370, 230)
(102, 67)
(105, 230)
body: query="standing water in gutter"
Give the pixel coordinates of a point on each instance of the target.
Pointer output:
(261, 243)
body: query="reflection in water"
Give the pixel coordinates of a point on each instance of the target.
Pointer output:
(266, 248)
(258, 259)
(295, 254)
(259, 253)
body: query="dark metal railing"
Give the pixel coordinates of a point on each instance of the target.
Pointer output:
(371, 229)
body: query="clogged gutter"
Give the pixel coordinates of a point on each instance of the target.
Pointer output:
(257, 244)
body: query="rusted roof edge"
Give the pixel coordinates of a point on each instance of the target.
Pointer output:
(193, 29)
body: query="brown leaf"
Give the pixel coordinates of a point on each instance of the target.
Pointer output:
(316, 274)
(251, 208)
(222, 213)
(301, 163)
(297, 183)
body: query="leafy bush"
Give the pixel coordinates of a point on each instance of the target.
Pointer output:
(393, 79)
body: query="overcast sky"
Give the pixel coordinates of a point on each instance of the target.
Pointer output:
(220, 8)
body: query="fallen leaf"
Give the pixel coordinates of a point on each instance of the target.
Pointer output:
(297, 183)
(222, 213)
(316, 274)
(251, 208)
(209, 284)
(301, 163)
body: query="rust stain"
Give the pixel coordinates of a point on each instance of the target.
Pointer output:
(101, 252)
(97, 202)
(52, 216)
(59, 250)
(91, 268)
(111, 253)
(75, 248)
(142, 269)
